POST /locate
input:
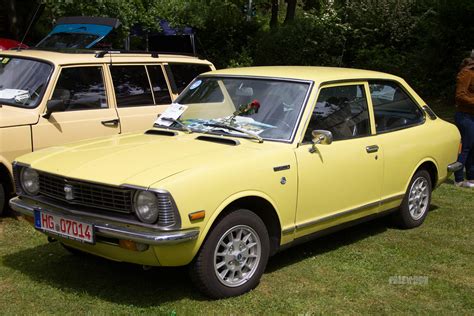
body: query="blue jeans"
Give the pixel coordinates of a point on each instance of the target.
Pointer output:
(465, 124)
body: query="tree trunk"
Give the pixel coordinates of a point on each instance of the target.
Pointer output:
(290, 10)
(12, 19)
(274, 18)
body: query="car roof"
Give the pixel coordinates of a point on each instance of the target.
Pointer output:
(81, 57)
(318, 74)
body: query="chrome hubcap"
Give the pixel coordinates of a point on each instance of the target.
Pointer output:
(418, 198)
(237, 255)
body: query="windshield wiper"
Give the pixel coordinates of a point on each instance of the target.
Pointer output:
(233, 128)
(170, 119)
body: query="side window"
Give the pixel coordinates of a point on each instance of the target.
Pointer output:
(81, 88)
(158, 84)
(393, 108)
(131, 85)
(341, 110)
(182, 74)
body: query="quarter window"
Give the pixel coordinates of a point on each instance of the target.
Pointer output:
(341, 110)
(131, 85)
(81, 88)
(182, 74)
(393, 108)
(158, 83)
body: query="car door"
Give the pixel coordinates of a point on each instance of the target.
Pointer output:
(141, 93)
(87, 111)
(399, 124)
(341, 181)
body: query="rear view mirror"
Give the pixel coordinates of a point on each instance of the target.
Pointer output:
(322, 137)
(54, 106)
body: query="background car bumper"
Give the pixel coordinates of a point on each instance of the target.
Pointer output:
(455, 166)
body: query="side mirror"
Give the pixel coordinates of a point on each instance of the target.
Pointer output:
(54, 106)
(322, 137)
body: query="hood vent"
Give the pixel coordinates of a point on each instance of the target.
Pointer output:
(220, 140)
(160, 132)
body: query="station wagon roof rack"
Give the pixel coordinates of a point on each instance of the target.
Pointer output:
(101, 54)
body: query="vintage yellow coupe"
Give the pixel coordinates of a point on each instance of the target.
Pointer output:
(245, 163)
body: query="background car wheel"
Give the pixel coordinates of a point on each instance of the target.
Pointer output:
(416, 203)
(3, 201)
(233, 257)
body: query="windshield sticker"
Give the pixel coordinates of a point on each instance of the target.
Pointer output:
(195, 84)
(173, 112)
(11, 94)
(5, 60)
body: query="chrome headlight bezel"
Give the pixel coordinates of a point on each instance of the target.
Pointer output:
(30, 185)
(167, 215)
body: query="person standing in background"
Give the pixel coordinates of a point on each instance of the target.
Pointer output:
(464, 119)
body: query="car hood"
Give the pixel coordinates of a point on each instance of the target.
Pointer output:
(136, 159)
(13, 116)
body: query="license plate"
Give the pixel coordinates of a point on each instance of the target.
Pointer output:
(64, 227)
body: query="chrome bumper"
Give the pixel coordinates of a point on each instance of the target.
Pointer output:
(455, 166)
(114, 230)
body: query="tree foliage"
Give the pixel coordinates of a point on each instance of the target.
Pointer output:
(422, 41)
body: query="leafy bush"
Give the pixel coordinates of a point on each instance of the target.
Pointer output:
(310, 39)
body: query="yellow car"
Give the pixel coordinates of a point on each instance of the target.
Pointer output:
(51, 98)
(245, 163)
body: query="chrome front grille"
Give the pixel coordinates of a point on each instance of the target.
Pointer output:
(87, 194)
(166, 214)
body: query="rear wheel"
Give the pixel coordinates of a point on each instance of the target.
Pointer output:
(233, 257)
(3, 204)
(416, 203)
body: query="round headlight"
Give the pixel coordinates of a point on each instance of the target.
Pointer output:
(30, 181)
(146, 206)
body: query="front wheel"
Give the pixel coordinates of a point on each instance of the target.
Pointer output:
(233, 257)
(416, 203)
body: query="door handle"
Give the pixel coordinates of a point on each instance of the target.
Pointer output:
(372, 149)
(113, 122)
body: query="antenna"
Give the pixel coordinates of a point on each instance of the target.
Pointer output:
(29, 25)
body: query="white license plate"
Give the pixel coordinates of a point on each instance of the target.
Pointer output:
(64, 227)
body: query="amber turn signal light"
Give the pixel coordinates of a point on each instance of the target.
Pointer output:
(460, 148)
(197, 215)
(131, 245)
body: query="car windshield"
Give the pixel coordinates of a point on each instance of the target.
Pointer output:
(22, 81)
(247, 107)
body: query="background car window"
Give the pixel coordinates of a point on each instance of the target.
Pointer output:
(131, 85)
(182, 74)
(158, 84)
(393, 108)
(341, 110)
(81, 88)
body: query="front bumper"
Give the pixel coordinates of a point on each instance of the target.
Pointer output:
(112, 230)
(455, 166)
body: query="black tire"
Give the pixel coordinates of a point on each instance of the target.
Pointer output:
(418, 194)
(204, 268)
(3, 201)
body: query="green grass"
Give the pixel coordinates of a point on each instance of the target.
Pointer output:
(344, 273)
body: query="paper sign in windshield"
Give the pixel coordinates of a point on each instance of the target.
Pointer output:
(18, 95)
(174, 111)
